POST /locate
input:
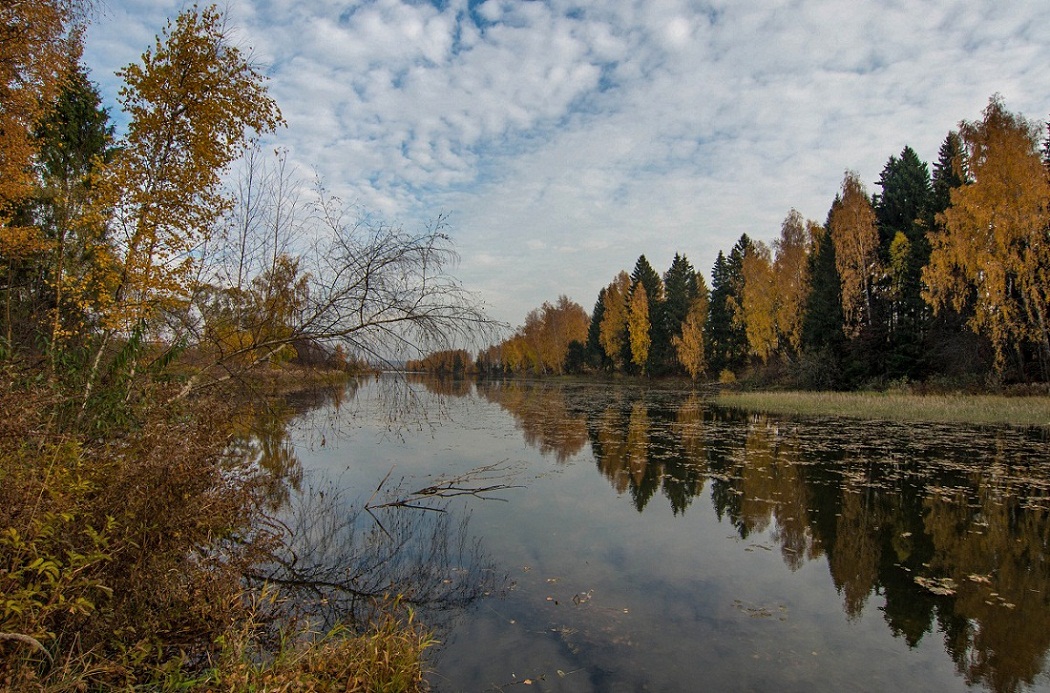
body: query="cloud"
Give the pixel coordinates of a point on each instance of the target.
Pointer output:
(567, 139)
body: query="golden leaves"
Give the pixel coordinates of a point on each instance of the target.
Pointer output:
(994, 249)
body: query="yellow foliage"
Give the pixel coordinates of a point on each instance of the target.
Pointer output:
(639, 326)
(690, 345)
(856, 239)
(192, 103)
(994, 242)
(614, 320)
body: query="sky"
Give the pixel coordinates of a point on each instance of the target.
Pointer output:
(564, 139)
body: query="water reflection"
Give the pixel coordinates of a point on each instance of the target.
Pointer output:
(338, 561)
(947, 526)
(334, 559)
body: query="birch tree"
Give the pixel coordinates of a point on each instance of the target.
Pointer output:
(995, 246)
(856, 238)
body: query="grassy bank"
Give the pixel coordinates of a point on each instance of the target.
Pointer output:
(124, 547)
(895, 406)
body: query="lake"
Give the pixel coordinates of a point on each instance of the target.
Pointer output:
(621, 536)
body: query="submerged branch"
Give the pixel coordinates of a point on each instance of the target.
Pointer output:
(447, 488)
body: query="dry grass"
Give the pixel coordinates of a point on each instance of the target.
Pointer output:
(896, 406)
(122, 560)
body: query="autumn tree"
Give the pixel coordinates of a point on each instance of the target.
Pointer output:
(549, 330)
(855, 234)
(791, 278)
(758, 302)
(192, 104)
(38, 47)
(74, 139)
(639, 326)
(994, 244)
(689, 345)
(613, 330)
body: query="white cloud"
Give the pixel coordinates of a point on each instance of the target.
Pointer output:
(567, 139)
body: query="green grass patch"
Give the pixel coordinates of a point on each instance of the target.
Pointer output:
(895, 406)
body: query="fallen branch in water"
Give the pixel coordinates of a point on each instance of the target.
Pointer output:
(461, 485)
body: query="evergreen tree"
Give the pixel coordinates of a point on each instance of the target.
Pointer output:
(680, 286)
(903, 215)
(73, 140)
(660, 349)
(596, 355)
(948, 173)
(725, 336)
(822, 322)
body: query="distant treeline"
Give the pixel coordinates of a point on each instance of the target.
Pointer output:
(939, 276)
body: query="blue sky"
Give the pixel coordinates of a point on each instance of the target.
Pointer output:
(564, 139)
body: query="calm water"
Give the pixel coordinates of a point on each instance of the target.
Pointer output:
(653, 542)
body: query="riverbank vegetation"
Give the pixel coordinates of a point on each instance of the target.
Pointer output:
(937, 277)
(155, 285)
(1021, 410)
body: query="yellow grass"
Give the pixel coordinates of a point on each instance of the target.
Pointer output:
(896, 406)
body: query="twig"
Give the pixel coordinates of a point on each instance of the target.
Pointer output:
(27, 640)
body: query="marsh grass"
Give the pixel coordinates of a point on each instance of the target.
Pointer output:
(897, 406)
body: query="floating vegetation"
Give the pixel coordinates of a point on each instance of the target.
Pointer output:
(778, 611)
(944, 587)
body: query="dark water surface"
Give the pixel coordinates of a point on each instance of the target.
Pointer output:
(654, 542)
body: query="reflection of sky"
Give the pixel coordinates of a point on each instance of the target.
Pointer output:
(608, 130)
(669, 599)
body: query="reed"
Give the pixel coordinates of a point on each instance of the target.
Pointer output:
(897, 406)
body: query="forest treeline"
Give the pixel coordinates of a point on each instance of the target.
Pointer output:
(941, 275)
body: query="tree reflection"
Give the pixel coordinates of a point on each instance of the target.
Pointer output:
(945, 529)
(542, 413)
(338, 560)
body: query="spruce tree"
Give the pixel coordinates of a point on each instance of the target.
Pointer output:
(680, 286)
(903, 215)
(724, 333)
(822, 323)
(596, 355)
(660, 348)
(948, 173)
